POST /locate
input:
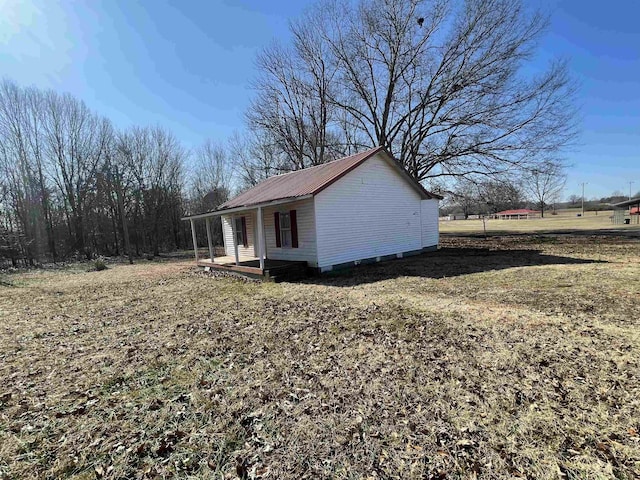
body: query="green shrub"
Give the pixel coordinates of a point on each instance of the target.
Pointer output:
(99, 265)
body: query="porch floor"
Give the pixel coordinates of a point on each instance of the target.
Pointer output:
(251, 266)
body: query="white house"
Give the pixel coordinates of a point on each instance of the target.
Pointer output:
(454, 216)
(358, 209)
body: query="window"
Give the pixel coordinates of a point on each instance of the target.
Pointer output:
(285, 229)
(239, 230)
(286, 224)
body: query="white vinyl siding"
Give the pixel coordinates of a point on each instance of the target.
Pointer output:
(305, 218)
(430, 223)
(370, 212)
(227, 233)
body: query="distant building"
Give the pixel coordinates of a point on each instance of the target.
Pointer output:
(454, 216)
(619, 210)
(518, 214)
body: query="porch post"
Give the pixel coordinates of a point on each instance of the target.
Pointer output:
(260, 238)
(209, 240)
(235, 239)
(195, 239)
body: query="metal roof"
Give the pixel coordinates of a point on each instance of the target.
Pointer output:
(311, 181)
(519, 211)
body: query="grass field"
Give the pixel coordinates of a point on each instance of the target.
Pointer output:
(564, 221)
(513, 357)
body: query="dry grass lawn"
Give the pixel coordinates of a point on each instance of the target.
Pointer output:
(565, 220)
(517, 357)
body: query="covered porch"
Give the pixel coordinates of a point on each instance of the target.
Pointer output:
(244, 243)
(272, 270)
(630, 209)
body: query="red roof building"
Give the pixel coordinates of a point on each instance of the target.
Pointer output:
(517, 214)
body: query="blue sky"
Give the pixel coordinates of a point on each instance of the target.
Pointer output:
(187, 65)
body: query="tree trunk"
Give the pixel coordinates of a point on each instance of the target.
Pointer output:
(114, 227)
(125, 227)
(155, 240)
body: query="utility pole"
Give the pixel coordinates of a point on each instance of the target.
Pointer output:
(631, 182)
(583, 184)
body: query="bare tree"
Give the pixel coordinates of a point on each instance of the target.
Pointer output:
(292, 110)
(70, 183)
(254, 158)
(501, 194)
(544, 184)
(155, 161)
(9, 236)
(34, 120)
(440, 84)
(210, 184)
(487, 194)
(211, 177)
(119, 183)
(465, 197)
(21, 165)
(75, 141)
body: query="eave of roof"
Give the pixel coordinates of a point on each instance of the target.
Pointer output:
(217, 213)
(518, 211)
(626, 203)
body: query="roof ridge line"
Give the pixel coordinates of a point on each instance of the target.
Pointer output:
(325, 163)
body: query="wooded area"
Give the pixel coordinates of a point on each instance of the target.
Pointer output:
(71, 185)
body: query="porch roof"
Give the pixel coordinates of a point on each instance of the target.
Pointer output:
(226, 211)
(627, 203)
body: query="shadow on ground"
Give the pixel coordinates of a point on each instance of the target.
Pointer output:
(446, 262)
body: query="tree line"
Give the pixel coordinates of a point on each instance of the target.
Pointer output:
(540, 190)
(72, 185)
